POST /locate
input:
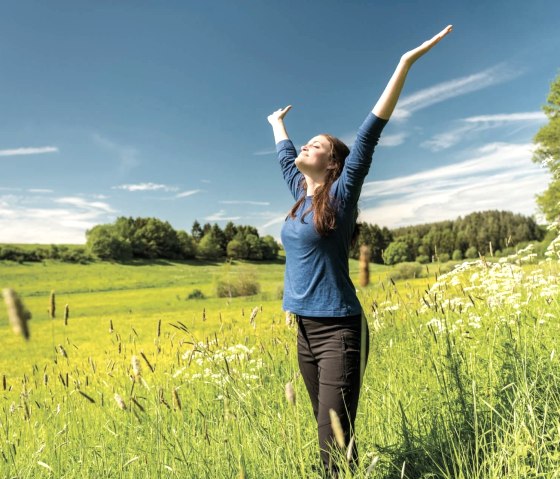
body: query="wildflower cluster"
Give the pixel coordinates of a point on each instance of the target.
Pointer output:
(221, 366)
(505, 287)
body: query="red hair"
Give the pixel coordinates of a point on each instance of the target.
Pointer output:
(322, 205)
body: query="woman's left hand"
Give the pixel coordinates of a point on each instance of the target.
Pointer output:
(411, 56)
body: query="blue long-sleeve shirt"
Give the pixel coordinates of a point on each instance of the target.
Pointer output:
(317, 280)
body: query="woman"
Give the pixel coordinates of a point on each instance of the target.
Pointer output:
(326, 180)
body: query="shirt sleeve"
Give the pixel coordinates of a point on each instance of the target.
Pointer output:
(358, 162)
(286, 156)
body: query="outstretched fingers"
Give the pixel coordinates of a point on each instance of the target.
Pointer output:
(279, 114)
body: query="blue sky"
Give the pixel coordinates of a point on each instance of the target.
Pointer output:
(159, 108)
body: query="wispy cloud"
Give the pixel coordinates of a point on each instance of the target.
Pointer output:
(385, 141)
(452, 88)
(498, 176)
(146, 187)
(266, 151)
(127, 155)
(274, 221)
(184, 194)
(220, 216)
(39, 190)
(32, 219)
(243, 202)
(476, 124)
(29, 151)
(502, 118)
(392, 140)
(83, 203)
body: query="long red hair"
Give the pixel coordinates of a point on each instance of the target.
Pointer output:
(322, 205)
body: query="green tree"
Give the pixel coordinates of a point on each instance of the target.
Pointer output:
(548, 153)
(196, 231)
(187, 245)
(396, 252)
(209, 247)
(269, 247)
(237, 249)
(104, 242)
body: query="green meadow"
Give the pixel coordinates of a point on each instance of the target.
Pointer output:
(462, 380)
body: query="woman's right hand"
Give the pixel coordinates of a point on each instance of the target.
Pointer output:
(278, 115)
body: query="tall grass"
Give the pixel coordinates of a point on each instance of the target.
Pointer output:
(462, 382)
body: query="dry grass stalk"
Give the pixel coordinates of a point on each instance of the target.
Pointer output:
(290, 393)
(137, 404)
(147, 362)
(89, 398)
(136, 368)
(253, 316)
(289, 319)
(337, 428)
(52, 309)
(62, 351)
(66, 315)
(364, 265)
(350, 450)
(176, 399)
(111, 326)
(17, 314)
(162, 399)
(120, 402)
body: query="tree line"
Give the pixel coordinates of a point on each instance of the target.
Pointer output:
(489, 233)
(151, 238)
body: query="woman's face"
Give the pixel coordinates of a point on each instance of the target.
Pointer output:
(314, 157)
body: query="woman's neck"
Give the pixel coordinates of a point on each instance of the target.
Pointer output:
(312, 185)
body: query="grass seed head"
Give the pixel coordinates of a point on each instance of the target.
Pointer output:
(290, 393)
(17, 314)
(176, 399)
(337, 428)
(62, 351)
(136, 368)
(52, 309)
(120, 401)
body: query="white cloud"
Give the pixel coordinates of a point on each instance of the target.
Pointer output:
(39, 190)
(145, 187)
(508, 117)
(385, 141)
(29, 151)
(219, 216)
(82, 203)
(392, 140)
(499, 176)
(243, 202)
(184, 194)
(476, 124)
(29, 220)
(452, 88)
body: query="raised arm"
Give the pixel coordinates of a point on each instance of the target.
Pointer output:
(358, 162)
(286, 151)
(388, 100)
(276, 120)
